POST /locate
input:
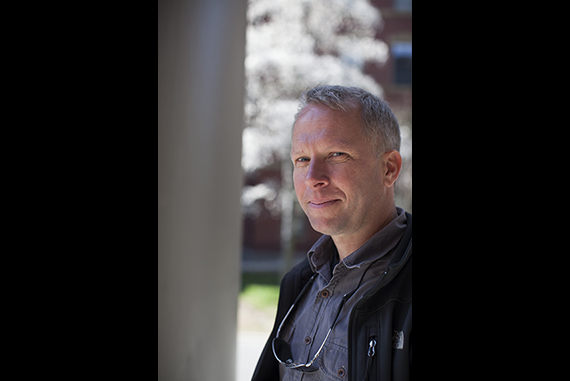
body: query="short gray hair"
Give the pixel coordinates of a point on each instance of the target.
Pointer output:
(380, 124)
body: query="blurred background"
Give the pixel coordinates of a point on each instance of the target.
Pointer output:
(230, 73)
(293, 45)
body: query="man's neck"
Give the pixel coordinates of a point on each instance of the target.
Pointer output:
(348, 244)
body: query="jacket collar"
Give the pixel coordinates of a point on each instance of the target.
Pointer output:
(402, 256)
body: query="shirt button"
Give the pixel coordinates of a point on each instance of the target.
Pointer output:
(341, 372)
(325, 294)
(308, 340)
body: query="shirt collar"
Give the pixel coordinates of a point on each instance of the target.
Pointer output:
(320, 255)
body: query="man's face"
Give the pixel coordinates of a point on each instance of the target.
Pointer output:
(337, 173)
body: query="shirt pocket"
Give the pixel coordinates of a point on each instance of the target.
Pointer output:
(333, 362)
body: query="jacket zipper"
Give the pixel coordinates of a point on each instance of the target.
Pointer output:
(372, 347)
(371, 353)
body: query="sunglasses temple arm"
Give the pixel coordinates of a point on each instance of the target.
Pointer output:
(344, 299)
(309, 283)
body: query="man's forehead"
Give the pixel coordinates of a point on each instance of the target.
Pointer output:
(320, 122)
(328, 135)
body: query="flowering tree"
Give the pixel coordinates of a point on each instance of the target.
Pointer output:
(293, 45)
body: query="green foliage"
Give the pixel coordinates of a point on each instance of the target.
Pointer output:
(260, 290)
(261, 296)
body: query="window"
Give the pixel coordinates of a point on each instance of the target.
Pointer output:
(403, 5)
(402, 54)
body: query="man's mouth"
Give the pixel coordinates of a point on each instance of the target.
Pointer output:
(322, 203)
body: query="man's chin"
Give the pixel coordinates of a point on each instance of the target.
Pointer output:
(326, 226)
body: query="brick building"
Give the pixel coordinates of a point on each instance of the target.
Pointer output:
(396, 75)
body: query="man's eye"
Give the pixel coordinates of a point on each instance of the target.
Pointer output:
(302, 160)
(338, 154)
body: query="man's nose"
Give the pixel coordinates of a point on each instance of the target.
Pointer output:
(317, 175)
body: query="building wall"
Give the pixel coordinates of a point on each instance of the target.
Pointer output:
(396, 28)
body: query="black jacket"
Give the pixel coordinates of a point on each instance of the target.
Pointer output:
(383, 316)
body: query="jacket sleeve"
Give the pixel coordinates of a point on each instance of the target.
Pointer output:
(267, 368)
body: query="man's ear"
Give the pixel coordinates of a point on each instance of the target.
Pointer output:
(392, 167)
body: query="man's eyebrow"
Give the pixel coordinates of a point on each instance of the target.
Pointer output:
(330, 146)
(296, 152)
(337, 145)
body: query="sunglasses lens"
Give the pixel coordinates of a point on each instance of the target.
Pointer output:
(283, 351)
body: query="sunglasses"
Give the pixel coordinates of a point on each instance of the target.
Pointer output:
(282, 350)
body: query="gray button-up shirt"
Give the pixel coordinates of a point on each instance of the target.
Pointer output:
(306, 329)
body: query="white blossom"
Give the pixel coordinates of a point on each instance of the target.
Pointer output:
(294, 45)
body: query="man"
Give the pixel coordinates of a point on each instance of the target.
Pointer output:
(346, 312)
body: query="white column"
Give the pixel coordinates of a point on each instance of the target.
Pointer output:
(201, 51)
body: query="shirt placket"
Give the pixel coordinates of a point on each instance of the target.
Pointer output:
(325, 301)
